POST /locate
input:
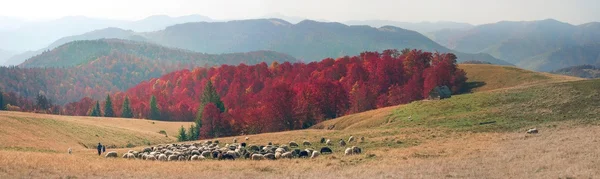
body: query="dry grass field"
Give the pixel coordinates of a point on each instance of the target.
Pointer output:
(441, 139)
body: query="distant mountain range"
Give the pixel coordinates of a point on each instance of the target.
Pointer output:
(307, 40)
(543, 45)
(421, 27)
(18, 35)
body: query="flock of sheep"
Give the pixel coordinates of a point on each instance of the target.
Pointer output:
(211, 149)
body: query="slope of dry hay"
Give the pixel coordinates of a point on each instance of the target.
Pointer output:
(39, 132)
(557, 152)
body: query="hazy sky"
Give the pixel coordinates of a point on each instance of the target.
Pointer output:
(471, 11)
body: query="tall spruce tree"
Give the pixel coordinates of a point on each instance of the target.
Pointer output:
(209, 95)
(2, 105)
(108, 107)
(192, 133)
(96, 110)
(154, 111)
(182, 135)
(126, 111)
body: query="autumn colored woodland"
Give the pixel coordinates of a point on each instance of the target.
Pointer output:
(286, 96)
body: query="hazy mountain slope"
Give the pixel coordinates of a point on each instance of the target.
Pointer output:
(5, 55)
(421, 27)
(583, 71)
(564, 57)
(307, 40)
(529, 44)
(93, 35)
(95, 68)
(29, 36)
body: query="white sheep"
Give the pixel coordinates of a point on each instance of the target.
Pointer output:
(348, 151)
(315, 154)
(328, 142)
(247, 138)
(70, 151)
(342, 142)
(111, 154)
(287, 155)
(150, 157)
(257, 156)
(162, 157)
(305, 143)
(235, 140)
(351, 139)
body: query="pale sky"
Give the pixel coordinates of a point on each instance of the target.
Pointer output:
(470, 11)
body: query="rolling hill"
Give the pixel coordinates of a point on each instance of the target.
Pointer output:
(582, 71)
(535, 45)
(94, 68)
(441, 139)
(307, 40)
(421, 27)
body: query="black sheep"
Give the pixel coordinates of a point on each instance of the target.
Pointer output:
(325, 150)
(215, 154)
(322, 140)
(303, 154)
(243, 144)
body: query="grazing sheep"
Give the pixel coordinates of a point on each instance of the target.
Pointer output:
(342, 142)
(270, 143)
(293, 144)
(181, 158)
(206, 153)
(348, 151)
(70, 151)
(111, 154)
(306, 143)
(309, 150)
(303, 154)
(235, 140)
(269, 156)
(280, 150)
(532, 131)
(227, 156)
(277, 155)
(162, 157)
(254, 148)
(195, 158)
(257, 156)
(195, 152)
(128, 156)
(147, 149)
(215, 154)
(173, 158)
(296, 152)
(322, 140)
(315, 154)
(362, 139)
(216, 142)
(243, 144)
(351, 139)
(326, 150)
(328, 142)
(234, 154)
(287, 155)
(150, 157)
(356, 150)
(247, 138)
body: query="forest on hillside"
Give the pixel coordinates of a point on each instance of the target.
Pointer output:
(248, 99)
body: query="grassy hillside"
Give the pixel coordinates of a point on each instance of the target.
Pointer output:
(442, 139)
(51, 133)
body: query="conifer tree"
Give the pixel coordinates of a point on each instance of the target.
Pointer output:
(154, 111)
(108, 107)
(2, 105)
(182, 135)
(126, 109)
(96, 110)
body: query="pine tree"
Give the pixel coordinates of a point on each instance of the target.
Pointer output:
(154, 111)
(192, 133)
(96, 110)
(182, 135)
(210, 95)
(108, 108)
(2, 105)
(126, 109)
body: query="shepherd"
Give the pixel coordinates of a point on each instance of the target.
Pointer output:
(99, 148)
